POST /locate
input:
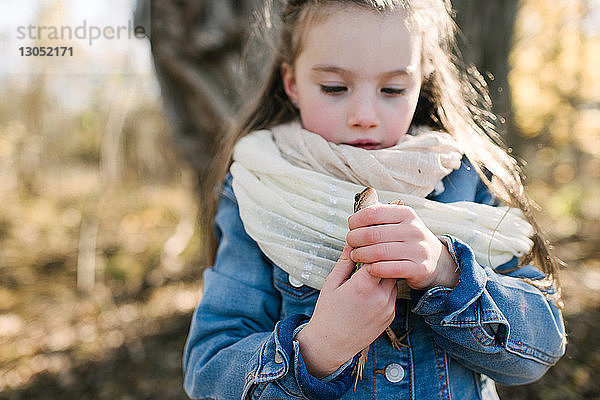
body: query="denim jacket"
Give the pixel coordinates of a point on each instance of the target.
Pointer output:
(490, 327)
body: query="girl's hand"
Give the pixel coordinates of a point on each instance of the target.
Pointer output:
(351, 312)
(395, 243)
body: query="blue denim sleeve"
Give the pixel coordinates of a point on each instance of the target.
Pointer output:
(498, 325)
(237, 346)
(280, 370)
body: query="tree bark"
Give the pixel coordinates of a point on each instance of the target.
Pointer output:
(198, 45)
(487, 36)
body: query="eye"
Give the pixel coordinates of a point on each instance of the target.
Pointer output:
(391, 91)
(336, 89)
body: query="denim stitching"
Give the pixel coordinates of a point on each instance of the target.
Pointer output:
(432, 293)
(444, 388)
(287, 391)
(486, 342)
(256, 394)
(447, 375)
(373, 349)
(538, 354)
(260, 375)
(298, 381)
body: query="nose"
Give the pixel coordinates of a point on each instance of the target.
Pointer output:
(363, 113)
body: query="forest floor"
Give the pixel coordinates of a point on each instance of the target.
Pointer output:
(124, 338)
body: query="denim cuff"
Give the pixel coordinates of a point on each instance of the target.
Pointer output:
(465, 305)
(281, 352)
(273, 361)
(332, 386)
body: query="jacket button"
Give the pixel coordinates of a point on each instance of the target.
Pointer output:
(295, 282)
(394, 372)
(278, 359)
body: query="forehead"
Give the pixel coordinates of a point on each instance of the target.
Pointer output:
(361, 38)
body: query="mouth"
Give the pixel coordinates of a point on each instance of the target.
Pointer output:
(366, 144)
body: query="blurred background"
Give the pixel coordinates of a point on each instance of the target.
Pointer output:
(101, 154)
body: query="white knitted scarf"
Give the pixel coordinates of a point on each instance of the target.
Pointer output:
(296, 191)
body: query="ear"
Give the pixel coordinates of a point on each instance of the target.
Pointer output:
(289, 82)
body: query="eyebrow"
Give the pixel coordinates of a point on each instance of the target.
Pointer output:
(341, 71)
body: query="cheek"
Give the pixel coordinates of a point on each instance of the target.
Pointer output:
(321, 119)
(402, 117)
(397, 122)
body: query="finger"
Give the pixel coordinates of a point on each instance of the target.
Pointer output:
(387, 284)
(369, 235)
(393, 290)
(363, 282)
(363, 274)
(380, 214)
(342, 269)
(392, 269)
(387, 251)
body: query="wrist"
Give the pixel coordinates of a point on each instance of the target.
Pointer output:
(318, 360)
(447, 269)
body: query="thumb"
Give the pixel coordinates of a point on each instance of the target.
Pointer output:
(342, 270)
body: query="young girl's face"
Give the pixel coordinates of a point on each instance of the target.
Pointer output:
(357, 78)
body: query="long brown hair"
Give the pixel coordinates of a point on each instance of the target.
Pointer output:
(453, 98)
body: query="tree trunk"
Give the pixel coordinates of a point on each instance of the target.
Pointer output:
(487, 32)
(197, 47)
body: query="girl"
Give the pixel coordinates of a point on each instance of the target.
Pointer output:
(366, 93)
